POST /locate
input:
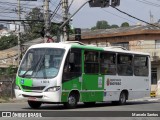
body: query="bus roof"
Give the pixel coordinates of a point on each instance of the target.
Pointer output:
(68, 45)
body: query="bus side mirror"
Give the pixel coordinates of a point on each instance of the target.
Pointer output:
(71, 58)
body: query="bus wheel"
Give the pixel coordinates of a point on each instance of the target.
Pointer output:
(122, 98)
(72, 102)
(34, 104)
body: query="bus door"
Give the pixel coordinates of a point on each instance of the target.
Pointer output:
(92, 83)
(142, 72)
(72, 72)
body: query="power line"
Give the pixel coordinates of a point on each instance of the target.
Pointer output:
(135, 17)
(5, 8)
(56, 10)
(15, 5)
(7, 12)
(19, 20)
(70, 4)
(6, 22)
(11, 3)
(118, 16)
(149, 3)
(7, 16)
(53, 3)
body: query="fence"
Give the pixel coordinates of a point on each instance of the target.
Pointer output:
(7, 86)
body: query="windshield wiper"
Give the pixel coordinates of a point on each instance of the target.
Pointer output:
(33, 67)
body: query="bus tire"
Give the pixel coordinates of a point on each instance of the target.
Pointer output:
(122, 98)
(72, 102)
(34, 104)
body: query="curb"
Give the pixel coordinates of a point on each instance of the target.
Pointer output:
(147, 99)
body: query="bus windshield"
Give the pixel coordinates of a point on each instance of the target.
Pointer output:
(41, 63)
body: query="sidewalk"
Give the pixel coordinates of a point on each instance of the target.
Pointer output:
(10, 100)
(157, 98)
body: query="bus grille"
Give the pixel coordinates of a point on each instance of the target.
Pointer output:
(33, 88)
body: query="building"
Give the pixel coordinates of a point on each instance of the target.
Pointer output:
(4, 32)
(9, 56)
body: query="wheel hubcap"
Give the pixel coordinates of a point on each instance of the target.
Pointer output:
(72, 100)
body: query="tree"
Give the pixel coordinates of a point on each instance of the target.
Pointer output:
(114, 26)
(102, 24)
(125, 24)
(8, 42)
(35, 26)
(93, 28)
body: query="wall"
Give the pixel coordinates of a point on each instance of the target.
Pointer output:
(7, 86)
(158, 80)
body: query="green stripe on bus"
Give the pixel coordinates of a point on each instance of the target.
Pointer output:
(88, 47)
(24, 81)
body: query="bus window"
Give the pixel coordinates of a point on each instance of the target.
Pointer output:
(124, 65)
(91, 62)
(140, 65)
(107, 63)
(72, 67)
(37, 63)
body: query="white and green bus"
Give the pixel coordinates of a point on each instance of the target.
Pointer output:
(71, 72)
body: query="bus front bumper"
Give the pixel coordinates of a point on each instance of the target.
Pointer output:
(35, 96)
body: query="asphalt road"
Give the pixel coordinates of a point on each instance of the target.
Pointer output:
(139, 106)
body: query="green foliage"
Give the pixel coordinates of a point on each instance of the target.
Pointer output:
(114, 26)
(33, 30)
(8, 42)
(54, 28)
(103, 25)
(125, 24)
(93, 28)
(11, 70)
(34, 26)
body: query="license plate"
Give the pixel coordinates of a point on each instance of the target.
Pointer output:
(32, 98)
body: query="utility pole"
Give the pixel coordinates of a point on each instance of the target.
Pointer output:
(67, 21)
(19, 43)
(65, 32)
(151, 17)
(46, 19)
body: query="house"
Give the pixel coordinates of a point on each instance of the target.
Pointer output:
(4, 32)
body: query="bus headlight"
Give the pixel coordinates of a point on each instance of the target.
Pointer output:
(17, 87)
(53, 89)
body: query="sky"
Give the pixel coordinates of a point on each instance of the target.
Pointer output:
(87, 16)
